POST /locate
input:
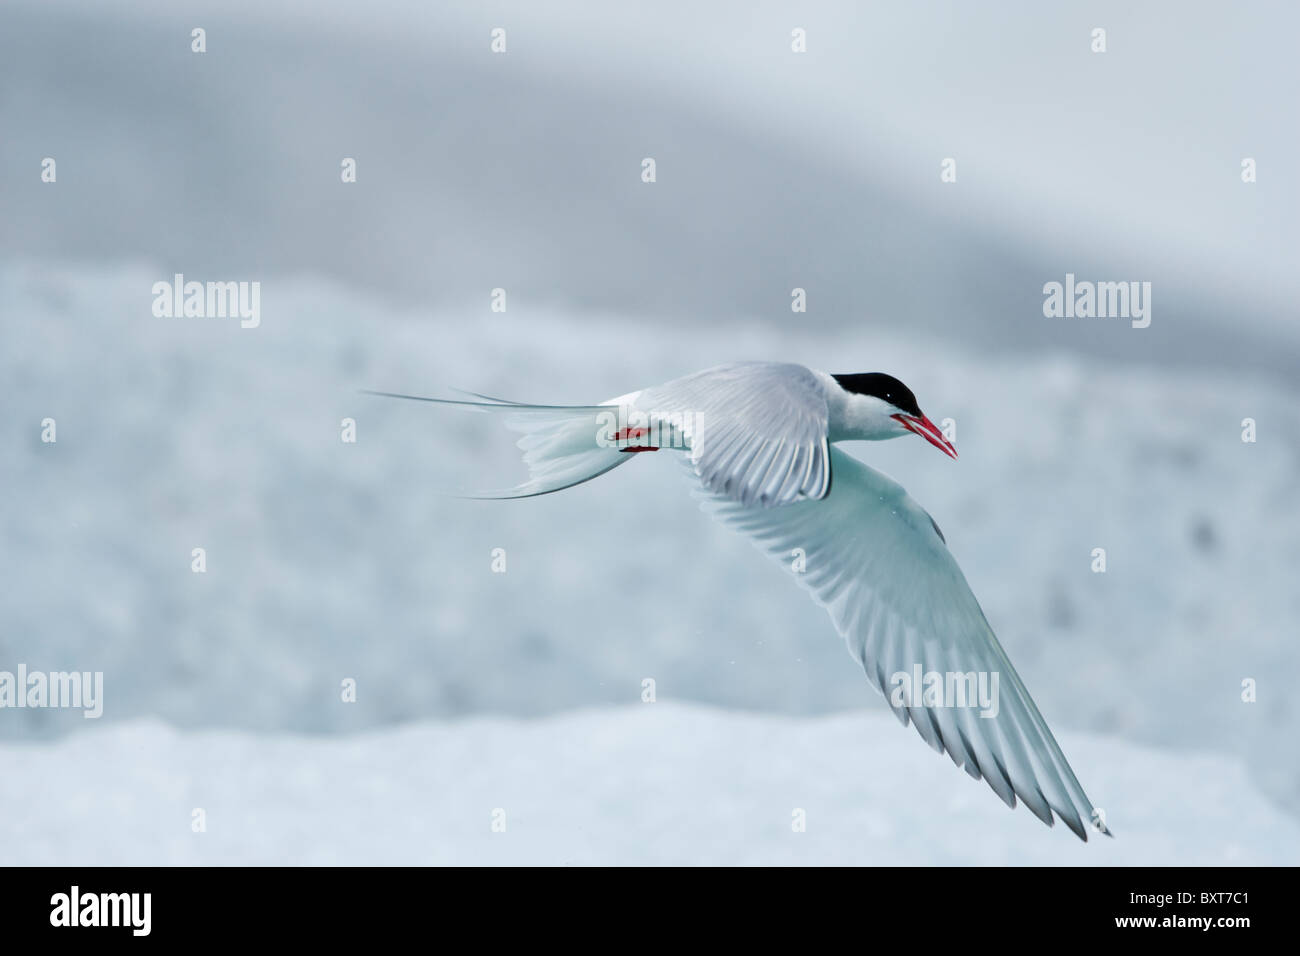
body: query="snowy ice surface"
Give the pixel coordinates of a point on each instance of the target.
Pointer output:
(329, 561)
(661, 783)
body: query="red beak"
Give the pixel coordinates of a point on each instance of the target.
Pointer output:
(927, 430)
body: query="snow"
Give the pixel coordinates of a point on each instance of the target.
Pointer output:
(659, 783)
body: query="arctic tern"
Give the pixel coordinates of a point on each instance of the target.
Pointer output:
(759, 438)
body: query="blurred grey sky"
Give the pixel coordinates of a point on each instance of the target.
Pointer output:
(775, 170)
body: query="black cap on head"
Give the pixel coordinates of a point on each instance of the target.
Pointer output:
(882, 386)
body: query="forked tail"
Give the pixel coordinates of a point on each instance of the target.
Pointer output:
(563, 445)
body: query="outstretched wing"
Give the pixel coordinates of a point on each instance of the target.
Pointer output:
(876, 561)
(757, 430)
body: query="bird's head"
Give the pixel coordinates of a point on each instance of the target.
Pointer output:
(882, 407)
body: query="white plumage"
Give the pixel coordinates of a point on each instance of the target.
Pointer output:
(758, 437)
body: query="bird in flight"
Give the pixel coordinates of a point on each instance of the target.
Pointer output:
(759, 438)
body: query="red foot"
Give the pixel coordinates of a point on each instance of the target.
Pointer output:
(624, 434)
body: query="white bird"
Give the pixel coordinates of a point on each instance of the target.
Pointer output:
(758, 437)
